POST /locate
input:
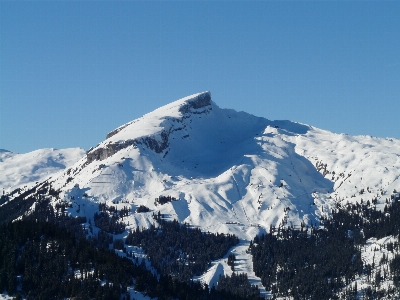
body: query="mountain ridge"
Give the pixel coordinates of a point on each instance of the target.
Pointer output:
(18, 170)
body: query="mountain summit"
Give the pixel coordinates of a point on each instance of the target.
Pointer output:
(153, 129)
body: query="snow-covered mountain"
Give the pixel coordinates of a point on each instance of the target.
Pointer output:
(225, 171)
(19, 170)
(226, 167)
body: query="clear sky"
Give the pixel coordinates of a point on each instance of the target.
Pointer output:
(71, 71)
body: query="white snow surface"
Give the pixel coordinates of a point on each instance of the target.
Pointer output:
(243, 264)
(231, 172)
(5, 296)
(19, 170)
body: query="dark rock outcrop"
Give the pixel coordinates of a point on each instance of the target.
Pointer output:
(199, 101)
(112, 148)
(107, 151)
(155, 145)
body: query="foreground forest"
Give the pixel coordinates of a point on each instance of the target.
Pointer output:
(46, 256)
(49, 255)
(324, 262)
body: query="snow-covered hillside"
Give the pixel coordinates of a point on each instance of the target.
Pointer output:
(231, 171)
(225, 171)
(19, 170)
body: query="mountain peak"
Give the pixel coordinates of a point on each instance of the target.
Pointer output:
(173, 109)
(197, 101)
(152, 129)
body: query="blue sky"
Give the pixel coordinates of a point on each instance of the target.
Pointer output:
(71, 71)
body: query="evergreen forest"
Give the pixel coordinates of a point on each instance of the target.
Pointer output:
(321, 262)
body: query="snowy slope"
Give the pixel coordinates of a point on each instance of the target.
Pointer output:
(229, 171)
(231, 167)
(18, 170)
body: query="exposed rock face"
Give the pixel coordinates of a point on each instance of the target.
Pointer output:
(107, 151)
(153, 144)
(112, 148)
(200, 101)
